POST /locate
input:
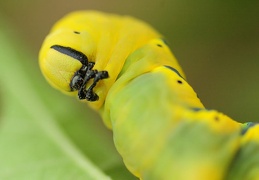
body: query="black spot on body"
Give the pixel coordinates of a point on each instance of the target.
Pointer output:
(180, 82)
(159, 45)
(76, 32)
(216, 118)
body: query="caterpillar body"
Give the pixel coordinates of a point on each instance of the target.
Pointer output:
(124, 69)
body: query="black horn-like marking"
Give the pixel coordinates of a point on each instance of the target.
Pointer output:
(72, 53)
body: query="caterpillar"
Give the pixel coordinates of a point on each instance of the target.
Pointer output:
(124, 69)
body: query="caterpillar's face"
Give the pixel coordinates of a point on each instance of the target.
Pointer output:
(84, 46)
(65, 63)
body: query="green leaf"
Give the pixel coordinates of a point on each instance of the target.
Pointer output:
(44, 134)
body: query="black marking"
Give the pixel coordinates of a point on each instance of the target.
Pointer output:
(72, 53)
(89, 94)
(159, 45)
(216, 118)
(173, 69)
(200, 109)
(84, 74)
(82, 77)
(180, 82)
(197, 109)
(247, 126)
(76, 32)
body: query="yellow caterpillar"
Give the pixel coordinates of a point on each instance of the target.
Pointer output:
(124, 69)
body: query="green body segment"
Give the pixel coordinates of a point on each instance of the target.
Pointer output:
(159, 133)
(246, 162)
(142, 61)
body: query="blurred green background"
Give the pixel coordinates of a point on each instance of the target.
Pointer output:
(215, 41)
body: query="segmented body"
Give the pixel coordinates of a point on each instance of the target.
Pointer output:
(161, 128)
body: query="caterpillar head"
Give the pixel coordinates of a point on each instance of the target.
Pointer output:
(64, 61)
(84, 46)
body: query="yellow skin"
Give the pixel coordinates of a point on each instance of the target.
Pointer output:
(161, 128)
(98, 42)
